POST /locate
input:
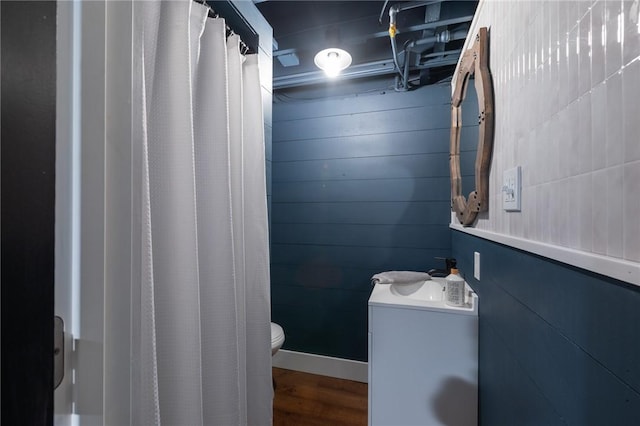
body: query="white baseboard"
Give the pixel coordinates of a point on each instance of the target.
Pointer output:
(323, 365)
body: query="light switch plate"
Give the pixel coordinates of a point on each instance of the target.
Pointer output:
(511, 189)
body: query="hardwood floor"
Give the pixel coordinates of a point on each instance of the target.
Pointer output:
(303, 399)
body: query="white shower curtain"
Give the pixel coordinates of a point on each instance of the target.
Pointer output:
(201, 337)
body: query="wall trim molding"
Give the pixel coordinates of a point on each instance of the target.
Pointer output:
(324, 365)
(619, 269)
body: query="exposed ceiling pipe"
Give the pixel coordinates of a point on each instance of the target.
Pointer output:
(425, 26)
(393, 13)
(399, 7)
(442, 37)
(384, 7)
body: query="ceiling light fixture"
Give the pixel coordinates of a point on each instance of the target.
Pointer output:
(332, 61)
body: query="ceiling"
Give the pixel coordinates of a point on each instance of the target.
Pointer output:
(432, 32)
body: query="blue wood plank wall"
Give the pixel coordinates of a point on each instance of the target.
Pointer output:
(558, 345)
(360, 185)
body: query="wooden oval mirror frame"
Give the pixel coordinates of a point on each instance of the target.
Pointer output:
(474, 61)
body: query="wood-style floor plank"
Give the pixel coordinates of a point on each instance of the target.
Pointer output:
(304, 399)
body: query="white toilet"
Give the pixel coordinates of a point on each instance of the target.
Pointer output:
(277, 338)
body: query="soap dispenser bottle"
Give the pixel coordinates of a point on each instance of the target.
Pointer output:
(454, 289)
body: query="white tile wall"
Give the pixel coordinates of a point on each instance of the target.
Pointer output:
(631, 96)
(567, 102)
(631, 211)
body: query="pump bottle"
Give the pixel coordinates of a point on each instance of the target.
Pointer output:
(454, 289)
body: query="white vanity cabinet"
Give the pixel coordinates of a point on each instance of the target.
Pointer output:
(423, 358)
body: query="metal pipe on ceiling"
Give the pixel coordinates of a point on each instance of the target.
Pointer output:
(393, 13)
(425, 26)
(442, 37)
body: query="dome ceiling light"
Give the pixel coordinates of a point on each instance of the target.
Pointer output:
(332, 61)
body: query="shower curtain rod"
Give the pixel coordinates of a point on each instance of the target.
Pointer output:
(213, 14)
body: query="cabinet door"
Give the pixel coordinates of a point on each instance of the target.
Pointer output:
(423, 367)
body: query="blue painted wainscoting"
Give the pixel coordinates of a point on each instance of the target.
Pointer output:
(558, 345)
